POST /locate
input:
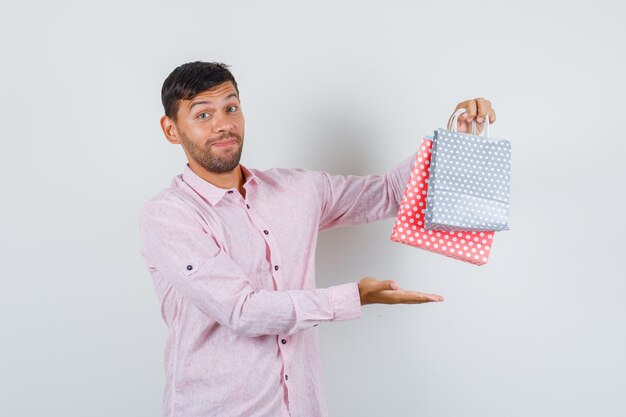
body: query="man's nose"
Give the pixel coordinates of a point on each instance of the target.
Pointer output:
(222, 123)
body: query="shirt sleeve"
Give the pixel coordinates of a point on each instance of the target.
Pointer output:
(178, 248)
(350, 200)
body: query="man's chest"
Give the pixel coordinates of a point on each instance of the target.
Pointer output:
(270, 237)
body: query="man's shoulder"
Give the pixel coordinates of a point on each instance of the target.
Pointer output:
(175, 196)
(303, 181)
(279, 175)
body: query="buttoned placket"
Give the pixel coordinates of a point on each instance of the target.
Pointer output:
(266, 233)
(268, 236)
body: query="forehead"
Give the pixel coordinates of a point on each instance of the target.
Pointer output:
(216, 95)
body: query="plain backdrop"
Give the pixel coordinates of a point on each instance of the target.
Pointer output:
(348, 87)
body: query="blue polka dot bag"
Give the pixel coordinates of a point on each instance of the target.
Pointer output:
(469, 184)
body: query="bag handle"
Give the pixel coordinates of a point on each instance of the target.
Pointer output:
(453, 126)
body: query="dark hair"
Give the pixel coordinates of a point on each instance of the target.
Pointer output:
(189, 80)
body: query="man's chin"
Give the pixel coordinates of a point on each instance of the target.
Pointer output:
(222, 167)
(220, 164)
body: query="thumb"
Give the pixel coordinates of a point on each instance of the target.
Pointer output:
(390, 284)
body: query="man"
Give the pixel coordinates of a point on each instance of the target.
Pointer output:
(231, 252)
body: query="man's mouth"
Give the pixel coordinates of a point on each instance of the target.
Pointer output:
(225, 142)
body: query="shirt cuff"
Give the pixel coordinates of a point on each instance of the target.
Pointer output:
(346, 301)
(401, 176)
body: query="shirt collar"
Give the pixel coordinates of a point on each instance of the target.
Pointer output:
(209, 191)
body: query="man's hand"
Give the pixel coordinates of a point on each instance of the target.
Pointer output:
(373, 291)
(478, 109)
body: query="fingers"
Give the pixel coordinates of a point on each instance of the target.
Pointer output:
(430, 297)
(404, 297)
(484, 110)
(414, 297)
(483, 106)
(471, 111)
(477, 109)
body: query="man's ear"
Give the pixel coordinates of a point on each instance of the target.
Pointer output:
(169, 129)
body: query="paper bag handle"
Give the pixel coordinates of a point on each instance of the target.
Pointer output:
(453, 126)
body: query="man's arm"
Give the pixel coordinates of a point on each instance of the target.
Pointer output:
(178, 250)
(350, 200)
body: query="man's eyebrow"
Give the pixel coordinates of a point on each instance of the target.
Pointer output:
(209, 102)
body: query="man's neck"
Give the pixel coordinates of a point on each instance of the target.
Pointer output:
(225, 180)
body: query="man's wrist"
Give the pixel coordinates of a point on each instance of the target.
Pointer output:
(346, 301)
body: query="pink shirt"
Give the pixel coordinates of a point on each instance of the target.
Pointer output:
(236, 281)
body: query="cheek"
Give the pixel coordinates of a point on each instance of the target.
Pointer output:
(241, 122)
(200, 130)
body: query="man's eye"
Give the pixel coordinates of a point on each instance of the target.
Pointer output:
(232, 109)
(203, 115)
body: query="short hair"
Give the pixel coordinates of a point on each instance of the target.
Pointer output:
(191, 79)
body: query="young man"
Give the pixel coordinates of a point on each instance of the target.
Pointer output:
(231, 252)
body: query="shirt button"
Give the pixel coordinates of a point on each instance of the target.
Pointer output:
(248, 205)
(283, 341)
(266, 232)
(275, 267)
(230, 191)
(189, 267)
(286, 377)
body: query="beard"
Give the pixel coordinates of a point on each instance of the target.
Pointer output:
(212, 161)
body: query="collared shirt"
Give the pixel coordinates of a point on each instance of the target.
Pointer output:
(235, 278)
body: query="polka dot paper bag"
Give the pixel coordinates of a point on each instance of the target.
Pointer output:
(409, 228)
(469, 182)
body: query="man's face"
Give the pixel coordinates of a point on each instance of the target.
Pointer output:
(211, 128)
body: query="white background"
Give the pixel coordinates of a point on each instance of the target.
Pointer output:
(348, 87)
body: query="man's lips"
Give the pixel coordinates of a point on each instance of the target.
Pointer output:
(225, 142)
